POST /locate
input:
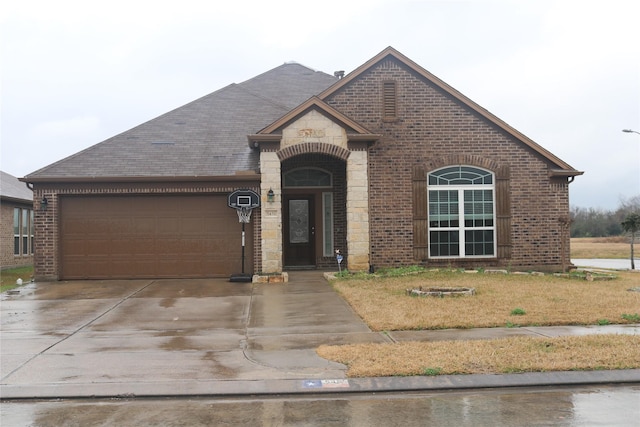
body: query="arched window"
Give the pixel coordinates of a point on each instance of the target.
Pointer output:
(306, 178)
(461, 212)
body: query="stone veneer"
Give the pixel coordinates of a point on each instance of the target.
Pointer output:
(358, 211)
(271, 213)
(311, 128)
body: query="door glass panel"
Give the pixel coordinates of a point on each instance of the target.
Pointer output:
(327, 213)
(298, 221)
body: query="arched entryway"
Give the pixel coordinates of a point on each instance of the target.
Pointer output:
(313, 210)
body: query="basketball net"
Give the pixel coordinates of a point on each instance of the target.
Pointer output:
(244, 214)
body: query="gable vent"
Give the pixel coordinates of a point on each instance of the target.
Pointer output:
(389, 98)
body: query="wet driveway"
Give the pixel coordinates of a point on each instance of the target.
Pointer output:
(158, 338)
(86, 333)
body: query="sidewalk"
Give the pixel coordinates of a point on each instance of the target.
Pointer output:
(211, 337)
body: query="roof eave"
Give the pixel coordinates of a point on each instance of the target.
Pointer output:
(16, 200)
(565, 172)
(244, 176)
(255, 140)
(363, 137)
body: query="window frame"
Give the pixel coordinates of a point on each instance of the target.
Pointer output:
(288, 186)
(458, 217)
(23, 232)
(17, 227)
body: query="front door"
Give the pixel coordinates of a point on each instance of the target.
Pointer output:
(299, 231)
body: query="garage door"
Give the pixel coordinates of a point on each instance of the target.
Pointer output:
(150, 237)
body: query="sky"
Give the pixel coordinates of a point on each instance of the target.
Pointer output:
(564, 73)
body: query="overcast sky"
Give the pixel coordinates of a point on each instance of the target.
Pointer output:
(564, 73)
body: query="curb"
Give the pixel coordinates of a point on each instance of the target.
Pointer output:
(246, 388)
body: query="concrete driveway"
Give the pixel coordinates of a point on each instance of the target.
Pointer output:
(213, 337)
(120, 337)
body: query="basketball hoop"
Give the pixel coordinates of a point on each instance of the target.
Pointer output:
(243, 201)
(244, 214)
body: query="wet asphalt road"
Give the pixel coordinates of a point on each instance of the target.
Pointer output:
(548, 406)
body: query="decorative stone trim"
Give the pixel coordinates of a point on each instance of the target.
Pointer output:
(271, 278)
(441, 292)
(313, 147)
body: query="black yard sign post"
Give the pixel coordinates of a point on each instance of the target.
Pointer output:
(243, 201)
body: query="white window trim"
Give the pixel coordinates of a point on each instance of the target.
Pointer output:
(461, 229)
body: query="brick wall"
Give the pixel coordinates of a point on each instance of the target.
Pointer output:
(431, 124)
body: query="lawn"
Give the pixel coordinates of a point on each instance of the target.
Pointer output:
(9, 277)
(545, 300)
(510, 300)
(617, 247)
(496, 356)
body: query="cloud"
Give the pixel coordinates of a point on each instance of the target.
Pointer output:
(564, 72)
(69, 136)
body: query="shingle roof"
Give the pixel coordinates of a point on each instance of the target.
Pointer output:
(204, 138)
(11, 188)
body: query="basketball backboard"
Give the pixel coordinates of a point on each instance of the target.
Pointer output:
(244, 198)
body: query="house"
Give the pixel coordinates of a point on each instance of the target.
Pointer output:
(388, 164)
(16, 211)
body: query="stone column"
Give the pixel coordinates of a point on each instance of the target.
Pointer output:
(271, 213)
(357, 212)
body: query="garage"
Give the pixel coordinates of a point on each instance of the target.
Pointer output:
(158, 236)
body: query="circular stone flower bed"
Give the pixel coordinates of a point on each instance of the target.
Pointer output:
(441, 292)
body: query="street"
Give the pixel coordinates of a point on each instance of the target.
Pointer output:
(615, 405)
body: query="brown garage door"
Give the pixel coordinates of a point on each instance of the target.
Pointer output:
(151, 237)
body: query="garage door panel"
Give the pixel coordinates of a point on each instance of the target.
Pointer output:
(150, 236)
(168, 225)
(141, 246)
(95, 246)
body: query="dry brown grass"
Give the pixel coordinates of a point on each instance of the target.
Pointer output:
(617, 247)
(508, 355)
(547, 300)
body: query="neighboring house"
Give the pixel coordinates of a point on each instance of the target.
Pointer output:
(388, 164)
(16, 211)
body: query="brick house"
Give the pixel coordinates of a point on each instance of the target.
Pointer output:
(16, 211)
(388, 163)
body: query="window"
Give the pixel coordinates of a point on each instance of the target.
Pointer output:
(22, 231)
(306, 178)
(16, 231)
(327, 224)
(461, 213)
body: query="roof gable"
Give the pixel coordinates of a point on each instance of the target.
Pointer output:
(315, 103)
(563, 168)
(273, 132)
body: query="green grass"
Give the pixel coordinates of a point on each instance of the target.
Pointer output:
(631, 317)
(9, 277)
